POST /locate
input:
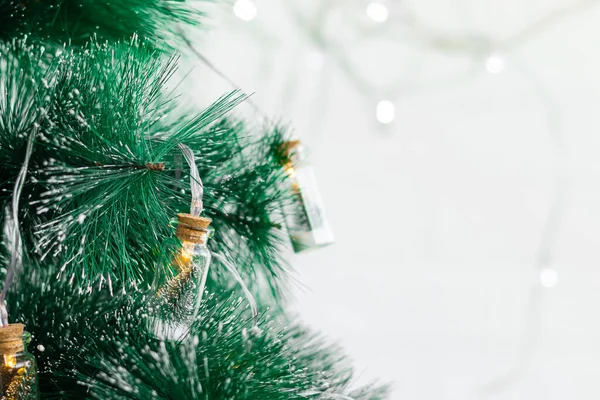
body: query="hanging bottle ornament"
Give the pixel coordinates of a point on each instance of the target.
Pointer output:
(18, 377)
(181, 296)
(307, 224)
(179, 300)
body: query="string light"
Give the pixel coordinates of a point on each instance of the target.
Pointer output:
(386, 112)
(548, 277)
(291, 171)
(10, 360)
(495, 64)
(377, 12)
(245, 10)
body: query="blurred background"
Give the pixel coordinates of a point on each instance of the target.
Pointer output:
(456, 147)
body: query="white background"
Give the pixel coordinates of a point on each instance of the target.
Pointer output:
(433, 282)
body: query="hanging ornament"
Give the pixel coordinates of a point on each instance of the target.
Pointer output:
(305, 217)
(18, 377)
(182, 295)
(179, 300)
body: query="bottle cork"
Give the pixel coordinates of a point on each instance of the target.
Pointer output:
(191, 228)
(287, 147)
(11, 339)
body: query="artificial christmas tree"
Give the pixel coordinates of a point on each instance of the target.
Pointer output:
(92, 138)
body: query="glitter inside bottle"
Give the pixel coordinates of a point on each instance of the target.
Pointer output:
(18, 377)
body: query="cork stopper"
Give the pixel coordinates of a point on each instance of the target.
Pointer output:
(192, 229)
(11, 339)
(288, 147)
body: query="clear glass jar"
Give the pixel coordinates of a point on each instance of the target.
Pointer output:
(18, 376)
(183, 293)
(306, 221)
(180, 298)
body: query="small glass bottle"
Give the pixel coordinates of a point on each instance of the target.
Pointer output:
(305, 215)
(181, 296)
(18, 377)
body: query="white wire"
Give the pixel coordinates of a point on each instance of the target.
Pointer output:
(195, 182)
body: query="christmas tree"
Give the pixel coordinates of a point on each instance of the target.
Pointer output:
(129, 292)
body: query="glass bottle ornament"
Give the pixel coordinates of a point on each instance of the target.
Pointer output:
(18, 377)
(305, 217)
(180, 298)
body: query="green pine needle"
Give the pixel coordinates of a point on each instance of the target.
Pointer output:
(76, 21)
(99, 346)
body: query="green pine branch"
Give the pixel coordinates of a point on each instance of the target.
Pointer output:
(106, 176)
(76, 21)
(93, 345)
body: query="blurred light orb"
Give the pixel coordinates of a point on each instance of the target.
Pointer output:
(377, 12)
(548, 278)
(495, 64)
(315, 60)
(245, 10)
(386, 111)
